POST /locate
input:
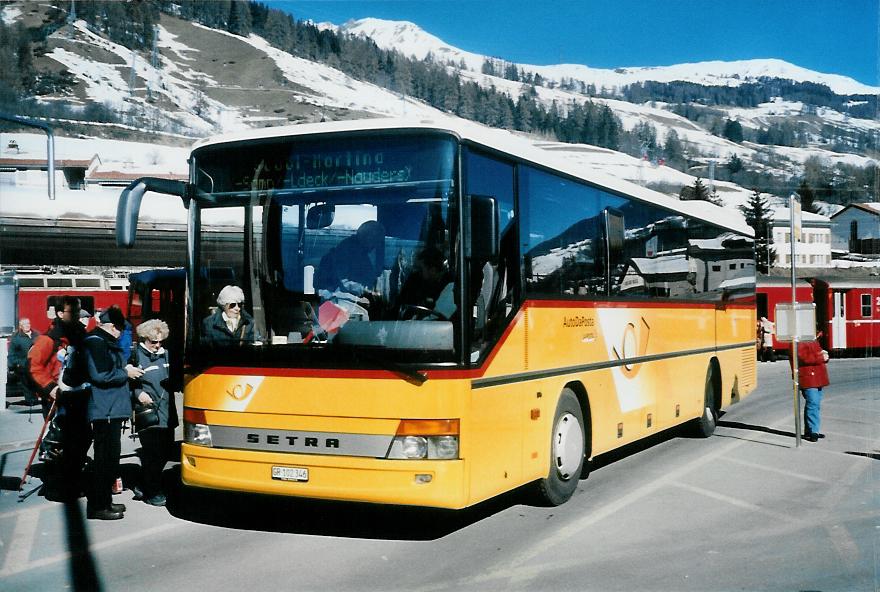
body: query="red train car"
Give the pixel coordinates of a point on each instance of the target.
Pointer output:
(771, 291)
(39, 294)
(848, 312)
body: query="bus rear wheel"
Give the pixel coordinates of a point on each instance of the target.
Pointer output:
(705, 425)
(567, 449)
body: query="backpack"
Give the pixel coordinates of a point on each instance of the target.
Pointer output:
(74, 371)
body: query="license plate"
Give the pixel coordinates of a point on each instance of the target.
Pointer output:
(290, 474)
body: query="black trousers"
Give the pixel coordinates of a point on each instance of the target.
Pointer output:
(156, 444)
(76, 437)
(107, 436)
(64, 480)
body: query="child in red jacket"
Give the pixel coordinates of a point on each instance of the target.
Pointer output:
(812, 376)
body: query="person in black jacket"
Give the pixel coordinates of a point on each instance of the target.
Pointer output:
(21, 342)
(355, 263)
(109, 405)
(230, 324)
(157, 441)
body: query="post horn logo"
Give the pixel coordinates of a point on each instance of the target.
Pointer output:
(633, 344)
(240, 392)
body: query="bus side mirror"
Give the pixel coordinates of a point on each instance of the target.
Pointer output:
(130, 205)
(483, 231)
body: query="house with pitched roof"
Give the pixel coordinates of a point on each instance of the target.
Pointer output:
(856, 230)
(812, 249)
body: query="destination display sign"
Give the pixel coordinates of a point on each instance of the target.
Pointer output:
(317, 165)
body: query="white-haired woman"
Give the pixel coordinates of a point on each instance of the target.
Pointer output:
(230, 324)
(151, 388)
(19, 345)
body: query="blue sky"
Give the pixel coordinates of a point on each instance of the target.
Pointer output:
(831, 36)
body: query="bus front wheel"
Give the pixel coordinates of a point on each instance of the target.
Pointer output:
(704, 426)
(567, 449)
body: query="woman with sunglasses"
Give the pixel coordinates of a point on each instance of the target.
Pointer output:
(151, 388)
(230, 324)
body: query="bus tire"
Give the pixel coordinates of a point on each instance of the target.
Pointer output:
(567, 450)
(704, 426)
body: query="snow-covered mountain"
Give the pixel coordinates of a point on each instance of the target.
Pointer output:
(411, 40)
(208, 81)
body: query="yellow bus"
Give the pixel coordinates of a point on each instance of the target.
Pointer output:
(433, 313)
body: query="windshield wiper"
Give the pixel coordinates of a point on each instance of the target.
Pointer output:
(412, 376)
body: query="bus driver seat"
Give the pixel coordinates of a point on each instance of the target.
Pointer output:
(484, 297)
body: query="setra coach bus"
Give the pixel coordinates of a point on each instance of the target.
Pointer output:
(441, 312)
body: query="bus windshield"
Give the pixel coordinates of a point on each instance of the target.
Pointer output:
(346, 246)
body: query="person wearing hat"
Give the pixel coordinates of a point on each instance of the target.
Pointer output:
(158, 440)
(230, 324)
(109, 405)
(45, 361)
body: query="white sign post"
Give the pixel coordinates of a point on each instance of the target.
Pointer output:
(795, 223)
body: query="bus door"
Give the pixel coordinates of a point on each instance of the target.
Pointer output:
(838, 320)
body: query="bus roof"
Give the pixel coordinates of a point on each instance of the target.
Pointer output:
(503, 141)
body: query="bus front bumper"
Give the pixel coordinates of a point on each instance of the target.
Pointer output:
(430, 483)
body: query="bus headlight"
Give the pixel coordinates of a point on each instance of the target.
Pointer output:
(195, 427)
(443, 447)
(414, 447)
(197, 433)
(426, 439)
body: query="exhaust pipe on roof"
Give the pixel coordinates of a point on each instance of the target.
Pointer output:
(50, 145)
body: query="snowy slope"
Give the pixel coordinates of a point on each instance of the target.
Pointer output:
(411, 40)
(318, 84)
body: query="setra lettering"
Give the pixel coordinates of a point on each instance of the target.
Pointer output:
(292, 441)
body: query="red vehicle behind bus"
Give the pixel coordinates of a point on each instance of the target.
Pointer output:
(848, 312)
(774, 290)
(40, 294)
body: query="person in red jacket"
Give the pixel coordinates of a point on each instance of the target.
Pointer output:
(812, 376)
(44, 363)
(46, 355)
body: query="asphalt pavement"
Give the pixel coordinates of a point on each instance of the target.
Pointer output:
(743, 510)
(20, 426)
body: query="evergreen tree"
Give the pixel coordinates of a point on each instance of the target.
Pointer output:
(279, 30)
(673, 150)
(697, 192)
(733, 131)
(734, 164)
(401, 75)
(240, 22)
(523, 115)
(759, 216)
(807, 197)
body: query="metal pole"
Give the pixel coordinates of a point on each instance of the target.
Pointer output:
(794, 341)
(50, 145)
(50, 160)
(3, 370)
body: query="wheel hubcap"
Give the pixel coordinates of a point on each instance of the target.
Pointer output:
(709, 416)
(568, 445)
